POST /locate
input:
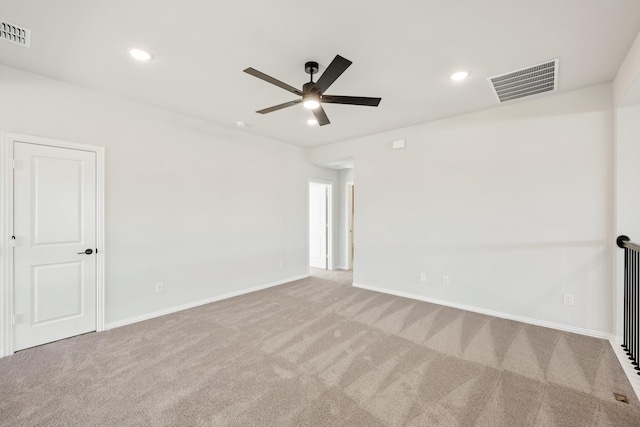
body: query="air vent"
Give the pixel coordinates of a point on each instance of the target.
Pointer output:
(15, 34)
(526, 82)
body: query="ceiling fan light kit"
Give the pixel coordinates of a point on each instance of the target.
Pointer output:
(312, 94)
(311, 97)
(311, 102)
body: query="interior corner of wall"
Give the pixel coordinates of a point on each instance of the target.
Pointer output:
(628, 73)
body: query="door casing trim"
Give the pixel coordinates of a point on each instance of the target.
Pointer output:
(7, 141)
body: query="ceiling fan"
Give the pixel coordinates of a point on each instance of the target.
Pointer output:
(312, 94)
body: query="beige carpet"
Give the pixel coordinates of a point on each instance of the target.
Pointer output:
(319, 352)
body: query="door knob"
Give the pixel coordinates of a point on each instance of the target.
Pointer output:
(87, 252)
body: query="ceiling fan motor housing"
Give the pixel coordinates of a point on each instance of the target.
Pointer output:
(308, 88)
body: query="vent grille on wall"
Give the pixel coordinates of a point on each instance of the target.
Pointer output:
(526, 82)
(15, 34)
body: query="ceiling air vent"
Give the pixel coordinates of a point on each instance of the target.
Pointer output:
(526, 82)
(15, 34)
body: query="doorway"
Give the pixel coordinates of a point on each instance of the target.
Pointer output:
(320, 225)
(53, 193)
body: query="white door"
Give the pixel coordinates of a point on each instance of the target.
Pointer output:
(318, 225)
(54, 224)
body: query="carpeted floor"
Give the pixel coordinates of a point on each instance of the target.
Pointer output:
(318, 352)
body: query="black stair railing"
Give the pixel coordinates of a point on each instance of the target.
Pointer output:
(631, 321)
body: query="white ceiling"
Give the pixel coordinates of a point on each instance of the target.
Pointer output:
(401, 51)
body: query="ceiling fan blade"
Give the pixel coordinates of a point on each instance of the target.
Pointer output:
(273, 81)
(321, 116)
(351, 100)
(333, 71)
(279, 107)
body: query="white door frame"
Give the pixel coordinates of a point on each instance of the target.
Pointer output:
(329, 185)
(349, 225)
(7, 141)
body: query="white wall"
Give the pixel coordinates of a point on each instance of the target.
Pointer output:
(627, 204)
(627, 187)
(628, 76)
(513, 203)
(204, 209)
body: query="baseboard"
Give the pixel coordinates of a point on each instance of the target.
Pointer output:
(628, 369)
(187, 306)
(532, 321)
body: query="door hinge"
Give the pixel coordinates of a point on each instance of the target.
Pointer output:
(13, 241)
(13, 163)
(13, 320)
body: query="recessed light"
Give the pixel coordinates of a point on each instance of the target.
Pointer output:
(139, 54)
(240, 124)
(460, 75)
(312, 122)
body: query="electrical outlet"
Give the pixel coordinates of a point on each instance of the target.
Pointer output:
(423, 277)
(159, 288)
(445, 280)
(568, 299)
